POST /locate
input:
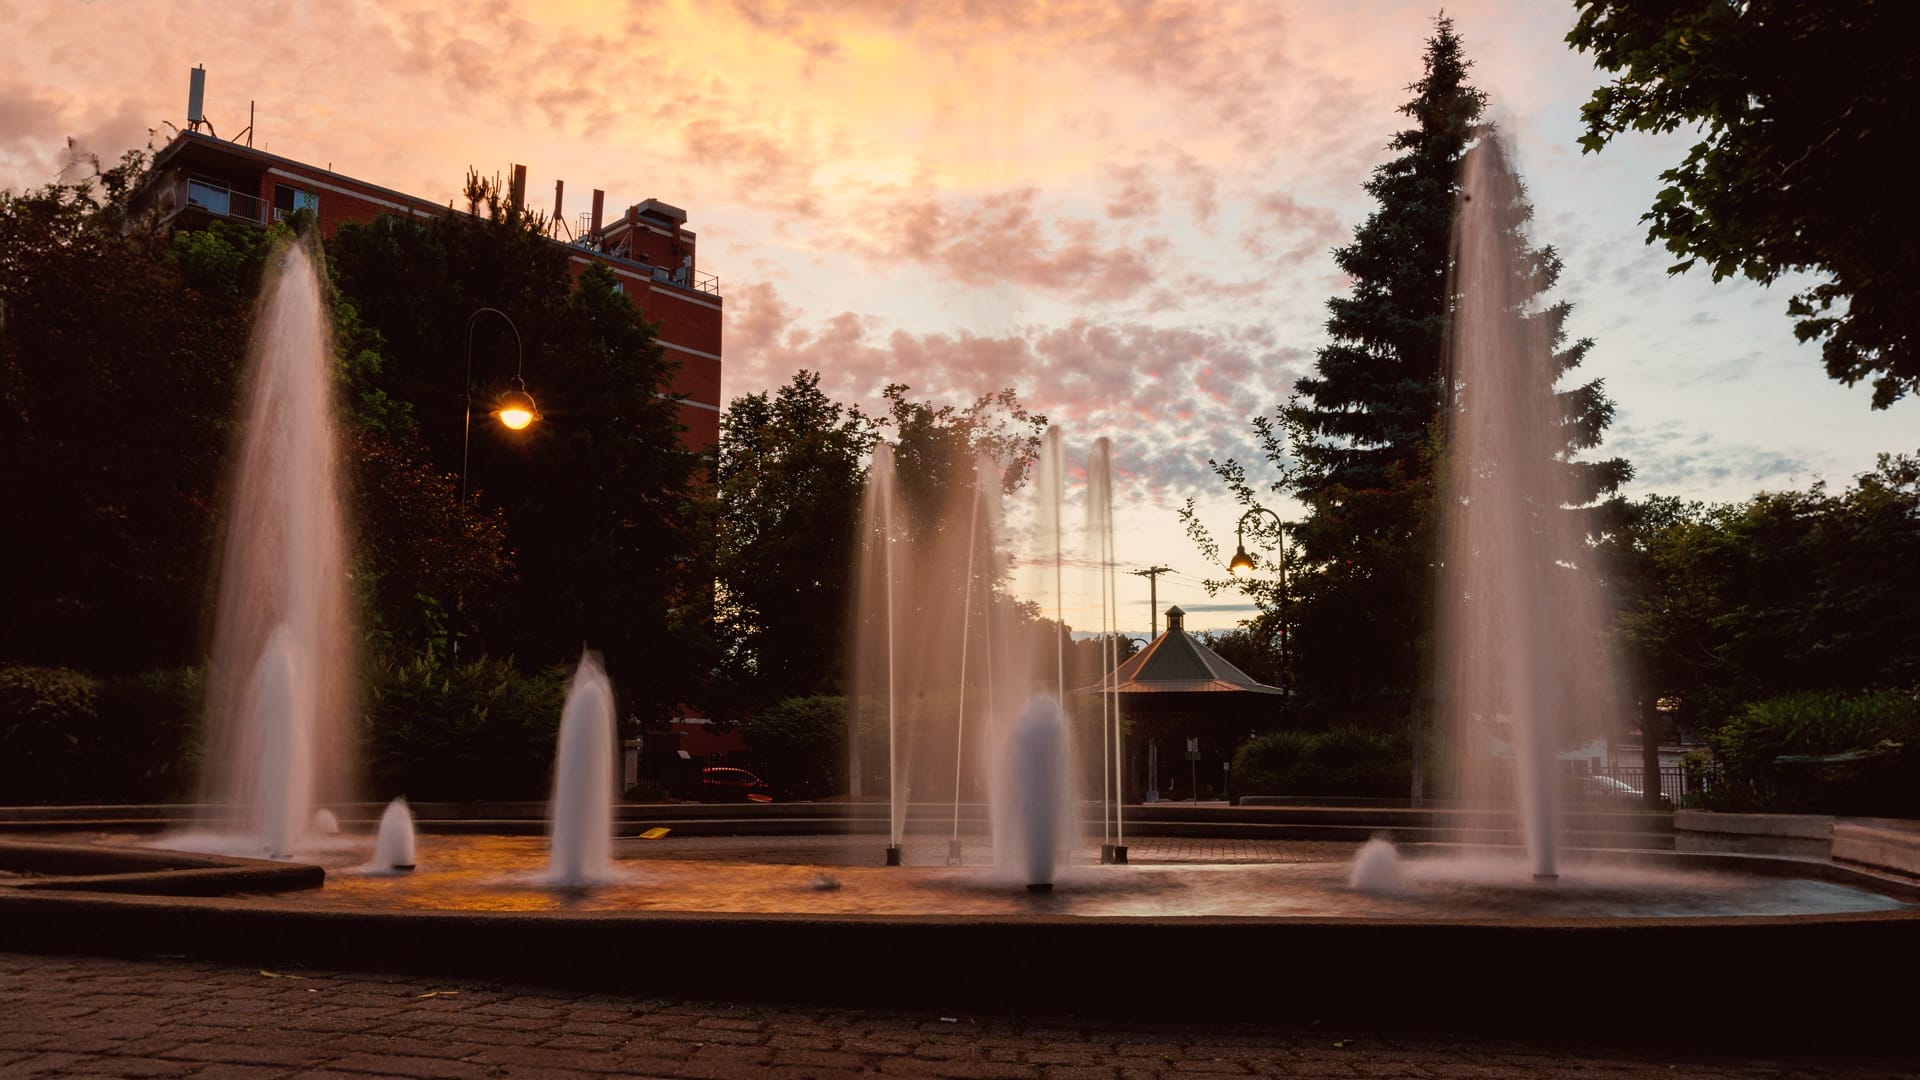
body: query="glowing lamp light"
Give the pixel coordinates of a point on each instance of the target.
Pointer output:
(1242, 563)
(516, 409)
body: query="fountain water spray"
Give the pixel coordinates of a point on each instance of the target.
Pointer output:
(1036, 801)
(1113, 849)
(393, 845)
(276, 685)
(580, 816)
(941, 648)
(1524, 655)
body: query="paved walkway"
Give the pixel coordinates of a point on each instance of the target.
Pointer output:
(63, 1016)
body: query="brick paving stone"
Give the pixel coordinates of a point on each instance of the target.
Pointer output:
(53, 1063)
(137, 1068)
(821, 1058)
(227, 1070)
(174, 1018)
(429, 1068)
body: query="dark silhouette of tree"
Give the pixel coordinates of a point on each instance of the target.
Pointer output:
(791, 468)
(605, 513)
(1359, 441)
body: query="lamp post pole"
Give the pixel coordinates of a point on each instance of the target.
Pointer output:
(516, 409)
(1241, 565)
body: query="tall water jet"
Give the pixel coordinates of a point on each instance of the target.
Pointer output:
(277, 731)
(1524, 658)
(580, 815)
(1113, 848)
(393, 844)
(941, 653)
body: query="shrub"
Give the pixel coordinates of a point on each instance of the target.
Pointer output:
(799, 745)
(149, 747)
(1346, 759)
(1821, 751)
(47, 722)
(472, 731)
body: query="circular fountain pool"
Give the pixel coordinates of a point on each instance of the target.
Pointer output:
(500, 874)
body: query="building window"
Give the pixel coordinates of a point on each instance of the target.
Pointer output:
(286, 200)
(213, 196)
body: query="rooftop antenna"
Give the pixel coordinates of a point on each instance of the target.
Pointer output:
(197, 97)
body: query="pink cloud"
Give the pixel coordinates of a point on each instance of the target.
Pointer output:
(1169, 398)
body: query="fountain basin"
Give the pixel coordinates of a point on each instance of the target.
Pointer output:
(1094, 943)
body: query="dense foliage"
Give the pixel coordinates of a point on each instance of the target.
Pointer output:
(1343, 760)
(791, 469)
(1789, 591)
(116, 396)
(800, 745)
(67, 736)
(469, 731)
(1820, 751)
(1802, 109)
(601, 503)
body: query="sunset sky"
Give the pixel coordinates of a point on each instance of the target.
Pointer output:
(1124, 211)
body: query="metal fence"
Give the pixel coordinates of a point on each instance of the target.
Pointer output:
(1675, 784)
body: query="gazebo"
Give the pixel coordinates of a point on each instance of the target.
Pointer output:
(1178, 698)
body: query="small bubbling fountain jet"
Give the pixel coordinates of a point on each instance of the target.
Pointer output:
(1035, 803)
(580, 816)
(1377, 868)
(393, 848)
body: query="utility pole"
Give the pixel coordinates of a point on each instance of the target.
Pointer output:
(1152, 574)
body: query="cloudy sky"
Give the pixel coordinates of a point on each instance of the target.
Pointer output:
(1122, 210)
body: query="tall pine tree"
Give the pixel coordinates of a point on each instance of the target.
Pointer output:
(1362, 426)
(1360, 438)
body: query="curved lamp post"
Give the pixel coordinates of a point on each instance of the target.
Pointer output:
(515, 409)
(1241, 566)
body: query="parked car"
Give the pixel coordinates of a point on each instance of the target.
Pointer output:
(720, 784)
(1595, 788)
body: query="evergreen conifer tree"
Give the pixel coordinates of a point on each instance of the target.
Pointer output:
(1359, 439)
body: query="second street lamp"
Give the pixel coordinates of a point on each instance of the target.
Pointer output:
(515, 409)
(1242, 565)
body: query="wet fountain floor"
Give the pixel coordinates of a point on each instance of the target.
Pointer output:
(822, 876)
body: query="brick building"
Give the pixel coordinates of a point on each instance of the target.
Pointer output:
(198, 178)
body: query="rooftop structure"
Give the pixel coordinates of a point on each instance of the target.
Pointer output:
(198, 178)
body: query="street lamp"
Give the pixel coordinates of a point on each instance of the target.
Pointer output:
(1241, 566)
(1242, 563)
(515, 409)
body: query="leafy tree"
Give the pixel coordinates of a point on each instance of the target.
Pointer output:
(117, 381)
(799, 744)
(791, 467)
(935, 447)
(1787, 592)
(603, 509)
(1802, 109)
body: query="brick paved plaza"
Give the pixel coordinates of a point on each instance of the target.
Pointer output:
(89, 1017)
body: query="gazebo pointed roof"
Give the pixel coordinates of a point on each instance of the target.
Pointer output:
(1174, 663)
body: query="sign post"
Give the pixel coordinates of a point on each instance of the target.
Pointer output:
(1193, 768)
